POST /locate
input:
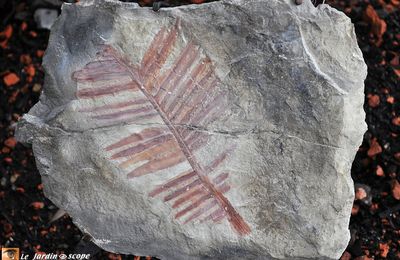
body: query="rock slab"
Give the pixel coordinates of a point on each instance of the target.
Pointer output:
(217, 131)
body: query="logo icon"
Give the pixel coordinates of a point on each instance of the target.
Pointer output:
(10, 253)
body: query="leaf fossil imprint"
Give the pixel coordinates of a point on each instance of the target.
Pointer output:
(182, 95)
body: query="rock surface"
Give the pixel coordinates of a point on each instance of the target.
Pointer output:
(217, 131)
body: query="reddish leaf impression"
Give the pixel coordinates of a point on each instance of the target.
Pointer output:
(183, 94)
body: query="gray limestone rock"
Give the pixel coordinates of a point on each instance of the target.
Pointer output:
(216, 131)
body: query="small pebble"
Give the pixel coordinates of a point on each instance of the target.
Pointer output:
(37, 87)
(37, 205)
(395, 189)
(360, 194)
(355, 209)
(363, 193)
(10, 142)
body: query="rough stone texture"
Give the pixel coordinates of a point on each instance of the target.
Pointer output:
(276, 123)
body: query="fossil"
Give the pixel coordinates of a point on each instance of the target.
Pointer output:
(183, 94)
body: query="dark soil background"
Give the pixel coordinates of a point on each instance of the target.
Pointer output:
(25, 213)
